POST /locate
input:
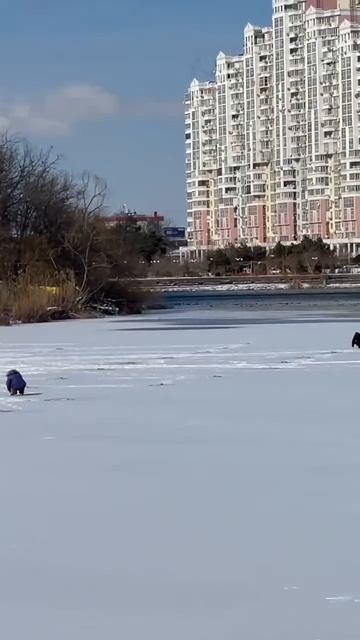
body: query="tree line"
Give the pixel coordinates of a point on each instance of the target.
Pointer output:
(308, 256)
(53, 227)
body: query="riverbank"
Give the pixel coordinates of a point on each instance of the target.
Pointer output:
(23, 302)
(248, 282)
(152, 294)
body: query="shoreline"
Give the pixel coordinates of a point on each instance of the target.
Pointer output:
(246, 283)
(170, 293)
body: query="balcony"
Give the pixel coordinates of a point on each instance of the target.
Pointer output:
(294, 91)
(208, 134)
(236, 86)
(208, 113)
(293, 34)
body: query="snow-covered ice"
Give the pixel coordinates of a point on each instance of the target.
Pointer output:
(180, 477)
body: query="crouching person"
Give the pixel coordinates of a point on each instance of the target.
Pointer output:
(356, 340)
(15, 383)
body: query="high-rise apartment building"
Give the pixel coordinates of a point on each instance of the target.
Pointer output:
(201, 162)
(230, 145)
(258, 120)
(273, 143)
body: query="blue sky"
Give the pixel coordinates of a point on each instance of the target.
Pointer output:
(103, 81)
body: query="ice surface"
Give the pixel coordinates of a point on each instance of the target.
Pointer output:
(182, 478)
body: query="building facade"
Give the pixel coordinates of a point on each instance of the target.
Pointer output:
(273, 142)
(131, 217)
(201, 163)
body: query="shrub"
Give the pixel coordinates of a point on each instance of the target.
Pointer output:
(23, 301)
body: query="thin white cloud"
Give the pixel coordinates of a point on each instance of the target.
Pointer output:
(57, 113)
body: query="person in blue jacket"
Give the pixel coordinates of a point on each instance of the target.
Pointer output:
(15, 383)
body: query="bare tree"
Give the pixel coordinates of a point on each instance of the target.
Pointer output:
(85, 239)
(92, 193)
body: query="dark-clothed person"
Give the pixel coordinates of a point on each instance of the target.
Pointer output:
(15, 383)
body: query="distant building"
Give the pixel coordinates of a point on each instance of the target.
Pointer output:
(139, 219)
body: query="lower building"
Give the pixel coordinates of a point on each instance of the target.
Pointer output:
(136, 218)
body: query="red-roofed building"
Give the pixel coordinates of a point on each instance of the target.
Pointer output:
(139, 219)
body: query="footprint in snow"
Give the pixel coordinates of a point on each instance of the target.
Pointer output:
(59, 400)
(160, 384)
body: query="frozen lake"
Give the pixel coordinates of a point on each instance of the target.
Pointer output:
(182, 477)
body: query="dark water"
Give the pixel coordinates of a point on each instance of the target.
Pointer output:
(268, 307)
